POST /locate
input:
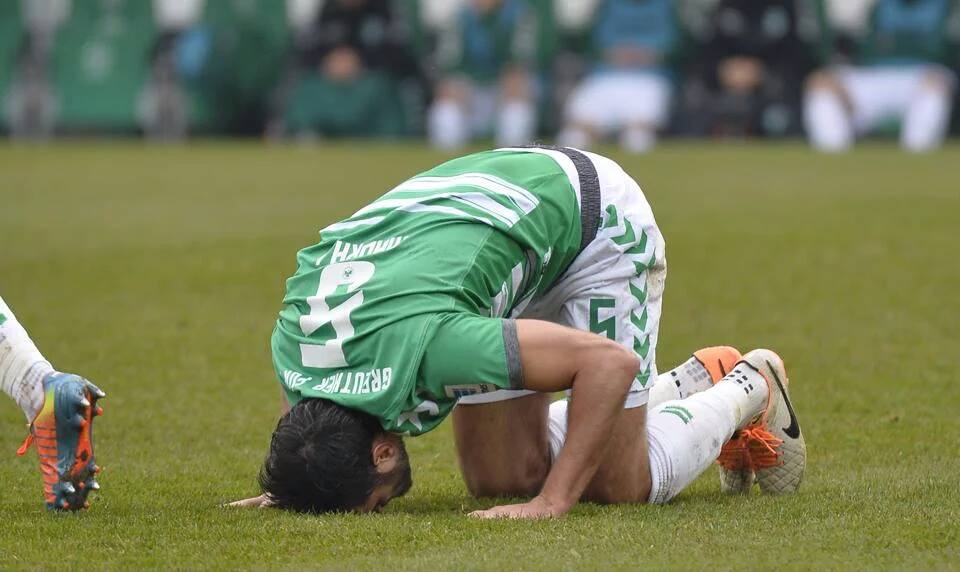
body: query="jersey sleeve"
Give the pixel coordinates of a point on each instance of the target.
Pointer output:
(469, 355)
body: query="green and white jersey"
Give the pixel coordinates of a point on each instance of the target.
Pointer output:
(475, 238)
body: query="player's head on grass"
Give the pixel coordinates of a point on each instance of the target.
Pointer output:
(327, 458)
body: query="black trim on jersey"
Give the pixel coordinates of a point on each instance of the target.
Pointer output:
(590, 215)
(511, 344)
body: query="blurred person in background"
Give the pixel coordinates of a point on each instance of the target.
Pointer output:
(751, 70)
(486, 59)
(355, 57)
(898, 73)
(228, 57)
(630, 89)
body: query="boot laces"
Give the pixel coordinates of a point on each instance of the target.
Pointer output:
(26, 445)
(754, 448)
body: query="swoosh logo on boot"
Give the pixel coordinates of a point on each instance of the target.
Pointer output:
(793, 430)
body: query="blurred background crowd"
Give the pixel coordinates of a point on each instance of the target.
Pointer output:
(452, 71)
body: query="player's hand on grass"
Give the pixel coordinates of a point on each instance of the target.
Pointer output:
(538, 507)
(256, 502)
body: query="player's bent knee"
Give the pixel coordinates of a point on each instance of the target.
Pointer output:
(639, 494)
(626, 486)
(519, 478)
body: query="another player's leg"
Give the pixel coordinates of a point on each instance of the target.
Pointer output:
(22, 366)
(60, 408)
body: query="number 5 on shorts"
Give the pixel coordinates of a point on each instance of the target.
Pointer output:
(607, 327)
(345, 277)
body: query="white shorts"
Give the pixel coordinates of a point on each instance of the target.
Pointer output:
(880, 94)
(615, 286)
(610, 101)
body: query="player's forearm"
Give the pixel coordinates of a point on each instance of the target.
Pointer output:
(597, 400)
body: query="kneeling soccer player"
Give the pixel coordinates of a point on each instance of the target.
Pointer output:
(488, 282)
(60, 408)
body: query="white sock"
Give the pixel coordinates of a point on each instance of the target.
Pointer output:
(685, 437)
(557, 427)
(516, 123)
(827, 123)
(638, 139)
(925, 122)
(447, 125)
(681, 382)
(689, 378)
(22, 366)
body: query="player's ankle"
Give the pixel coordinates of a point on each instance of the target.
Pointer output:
(751, 391)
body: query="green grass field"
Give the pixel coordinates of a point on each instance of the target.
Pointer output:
(157, 272)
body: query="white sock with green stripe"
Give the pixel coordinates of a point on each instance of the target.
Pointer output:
(685, 436)
(687, 379)
(22, 366)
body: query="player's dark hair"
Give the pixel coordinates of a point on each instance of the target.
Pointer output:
(320, 459)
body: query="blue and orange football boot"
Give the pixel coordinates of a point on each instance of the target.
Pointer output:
(63, 434)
